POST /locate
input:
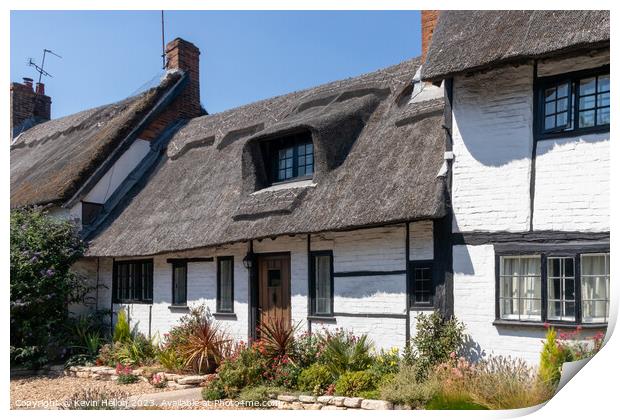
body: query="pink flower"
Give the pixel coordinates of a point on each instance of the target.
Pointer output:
(452, 355)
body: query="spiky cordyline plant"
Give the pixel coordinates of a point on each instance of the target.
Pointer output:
(203, 350)
(277, 336)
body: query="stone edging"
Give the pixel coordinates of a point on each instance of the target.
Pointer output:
(328, 402)
(105, 373)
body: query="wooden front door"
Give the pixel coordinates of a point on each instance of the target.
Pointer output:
(274, 287)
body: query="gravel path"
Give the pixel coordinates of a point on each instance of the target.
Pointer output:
(50, 391)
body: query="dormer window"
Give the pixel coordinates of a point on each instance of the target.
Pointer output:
(290, 158)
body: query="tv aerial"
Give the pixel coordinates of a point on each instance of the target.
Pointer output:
(40, 69)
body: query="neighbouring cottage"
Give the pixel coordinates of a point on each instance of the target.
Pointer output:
(437, 183)
(528, 116)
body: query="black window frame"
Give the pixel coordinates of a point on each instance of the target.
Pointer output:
(175, 265)
(573, 80)
(271, 149)
(312, 282)
(117, 265)
(412, 266)
(218, 304)
(544, 253)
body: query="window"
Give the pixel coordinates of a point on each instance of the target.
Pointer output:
(289, 158)
(573, 103)
(179, 283)
(561, 288)
(133, 281)
(520, 288)
(225, 285)
(572, 287)
(90, 211)
(421, 283)
(322, 283)
(595, 287)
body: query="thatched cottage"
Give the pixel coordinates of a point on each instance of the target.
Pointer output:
(432, 184)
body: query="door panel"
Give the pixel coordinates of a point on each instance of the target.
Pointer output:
(274, 293)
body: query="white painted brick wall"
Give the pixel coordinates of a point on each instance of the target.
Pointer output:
(474, 304)
(371, 249)
(492, 134)
(421, 240)
(572, 184)
(383, 332)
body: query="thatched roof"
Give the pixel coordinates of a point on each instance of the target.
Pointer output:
(52, 160)
(376, 162)
(468, 40)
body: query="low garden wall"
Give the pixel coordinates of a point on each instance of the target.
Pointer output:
(105, 373)
(328, 402)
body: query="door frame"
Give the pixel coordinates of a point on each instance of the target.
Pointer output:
(254, 285)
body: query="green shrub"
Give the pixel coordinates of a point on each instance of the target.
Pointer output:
(551, 359)
(405, 388)
(170, 359)
(122, 332)
(342, 351)
(214, 390)
(436, 338)
(306, 349)
(315, 379)
(351, 384)
(386, 362)
(135, 352)
(244, 369)
(42, 285)
(257, 397)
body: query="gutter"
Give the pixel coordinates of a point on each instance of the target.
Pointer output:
(164, 101)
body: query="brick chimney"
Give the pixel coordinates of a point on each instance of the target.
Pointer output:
(28, 107)
(180, 55)
(429, 21)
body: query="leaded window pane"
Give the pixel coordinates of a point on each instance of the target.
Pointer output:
(225, 285)
(561, 288)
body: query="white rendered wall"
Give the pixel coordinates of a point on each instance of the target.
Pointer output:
(379, 249)
(118, 172)
(474, 304)
(572, 184)
(492, 135)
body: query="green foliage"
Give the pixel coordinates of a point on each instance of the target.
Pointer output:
(351, 384)
(386, 362)
(315, 378)
(257, 397)
(505, 383)
(244, 369)
(135, 352)
(42, 285)
(122, 332)
(306, 349)
(342, 352)
(443, 401)
(170, 359)
(214, 390)
(551, 359)
(125, 375)
(436, 338)
(405, 388)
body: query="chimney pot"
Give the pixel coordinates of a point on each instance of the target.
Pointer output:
(40, 90)
(28, 82)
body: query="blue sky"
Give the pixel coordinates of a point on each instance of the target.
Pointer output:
(245, 56)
